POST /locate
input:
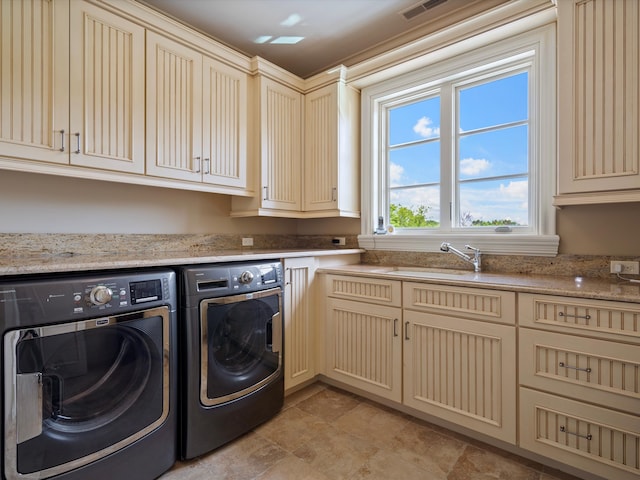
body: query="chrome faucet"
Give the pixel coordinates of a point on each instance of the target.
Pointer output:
(475, 261)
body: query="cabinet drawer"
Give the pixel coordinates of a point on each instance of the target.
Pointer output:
(601, 371)
(612, 320)
(371, 290)
(475, 303)
(590, 438)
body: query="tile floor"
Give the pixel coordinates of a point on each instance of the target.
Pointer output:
(324, 433)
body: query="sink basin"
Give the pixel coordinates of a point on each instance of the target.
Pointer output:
(428, 272)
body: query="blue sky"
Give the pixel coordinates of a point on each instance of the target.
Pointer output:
(481, 155)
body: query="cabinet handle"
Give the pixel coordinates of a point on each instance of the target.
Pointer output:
(199, 165)
(586, 437)
(562, 364)
(78, 142)
(266, 193)
(586, 317)
(206, 166)
(406, 330)
(395, 327)
(334, 194)
(62, 135)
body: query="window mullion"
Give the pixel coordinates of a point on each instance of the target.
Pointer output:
(447, 152)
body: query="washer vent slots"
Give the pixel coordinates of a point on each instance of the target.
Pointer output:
(421, 8)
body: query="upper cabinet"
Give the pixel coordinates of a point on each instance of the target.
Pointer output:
(306, 144)
(107, 90)
(599, 70)
(332, 155)
(73, 85)
(196, 116)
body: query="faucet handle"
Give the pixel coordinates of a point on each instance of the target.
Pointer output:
(469, 247)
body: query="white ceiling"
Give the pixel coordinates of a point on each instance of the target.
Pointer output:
(335, 31)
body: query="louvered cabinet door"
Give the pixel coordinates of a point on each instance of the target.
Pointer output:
(364, 346)
(280, 146)
(299, 328)
(225, 117)
(174, 110)
(107, 90)
(599, 108)
(34, 90)
(463, 371)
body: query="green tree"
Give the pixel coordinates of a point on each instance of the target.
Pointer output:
(408, 217)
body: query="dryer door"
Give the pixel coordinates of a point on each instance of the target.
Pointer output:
(241, 344)
(79, 391)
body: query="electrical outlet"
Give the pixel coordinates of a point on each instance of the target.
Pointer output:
(247, 242)
(629, 268)
(339, 241)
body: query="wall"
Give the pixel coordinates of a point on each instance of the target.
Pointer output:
(32, 203)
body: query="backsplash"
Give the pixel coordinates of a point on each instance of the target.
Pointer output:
(17, 245)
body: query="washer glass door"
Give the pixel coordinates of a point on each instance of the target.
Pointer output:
(79, 391)
(241, 340)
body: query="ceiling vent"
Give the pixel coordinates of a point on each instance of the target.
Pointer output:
(421, 8)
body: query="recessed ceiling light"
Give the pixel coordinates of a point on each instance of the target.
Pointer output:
(263, 39)
(287, 40)
(291, 20)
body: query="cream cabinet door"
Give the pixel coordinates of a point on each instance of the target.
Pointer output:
(299, 327)
(280, 146)
(332, 153)
(463, 371)
(599, 71)
(364, 346)
(174, 110)
(107, 90)
(225, 120)
(34, 90)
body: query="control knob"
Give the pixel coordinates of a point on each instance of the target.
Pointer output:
(246, 277)
(100, 295)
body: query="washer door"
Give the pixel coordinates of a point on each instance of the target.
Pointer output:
(241, 339)
(77, 392)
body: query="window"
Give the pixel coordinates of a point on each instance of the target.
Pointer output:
(464, 150)
(488, 163)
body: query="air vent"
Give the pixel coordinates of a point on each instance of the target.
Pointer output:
(421, 8)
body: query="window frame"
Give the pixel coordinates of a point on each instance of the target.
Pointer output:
(480, 56)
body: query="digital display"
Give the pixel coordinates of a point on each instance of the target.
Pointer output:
(147, 291)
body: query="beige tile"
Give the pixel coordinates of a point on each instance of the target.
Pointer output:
(336, 454)
(329, 404)
(243, 459)
(371, 423)
(479, 464)
(292, 428)
(293, 399)
(384, 465)
(292, 468)
(184, 471)
(431, 450)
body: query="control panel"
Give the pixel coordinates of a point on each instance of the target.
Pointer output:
(219, 280)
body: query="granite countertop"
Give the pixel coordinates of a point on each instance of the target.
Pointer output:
(69, 262)
(584, 287)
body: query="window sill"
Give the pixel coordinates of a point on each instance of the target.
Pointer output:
(491, 243)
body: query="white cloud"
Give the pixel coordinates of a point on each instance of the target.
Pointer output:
(517, 190)
(473, 166)
(396, 172)
(423, 128)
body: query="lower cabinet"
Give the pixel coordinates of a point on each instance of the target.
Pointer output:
(594, 439)
(364, 346)
(462, 371)
(299, 328)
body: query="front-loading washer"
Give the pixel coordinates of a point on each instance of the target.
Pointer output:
(89, 375)
(231, 351)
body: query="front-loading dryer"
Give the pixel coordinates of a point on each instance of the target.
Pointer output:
(89, 375)
(231, 351)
